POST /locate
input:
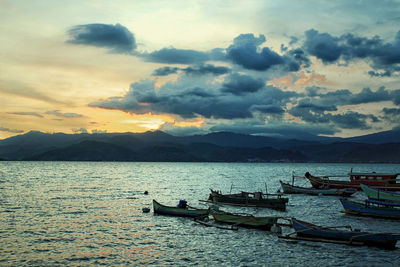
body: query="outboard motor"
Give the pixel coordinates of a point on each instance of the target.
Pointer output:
(182, 204)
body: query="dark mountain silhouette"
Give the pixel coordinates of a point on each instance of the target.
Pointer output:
(213, 147)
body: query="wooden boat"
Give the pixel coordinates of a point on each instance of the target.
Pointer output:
(311, 232)
(249, 221)
(373, 193)
(247, 199)
(372, 208)
(176, 211)
(385, 181)
(292, 189)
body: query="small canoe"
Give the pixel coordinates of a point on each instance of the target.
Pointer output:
(368, 208)
(249, 221)
(373, 193)
(312, 232)
(292, 189)
(175, 211)
(247, 199)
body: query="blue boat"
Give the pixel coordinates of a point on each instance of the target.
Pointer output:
(373, 208)
(310, 232)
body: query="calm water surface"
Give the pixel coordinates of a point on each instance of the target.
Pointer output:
(90, 213)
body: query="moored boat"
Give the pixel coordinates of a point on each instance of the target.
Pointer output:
(311, 232)
(372, 208)
(292, 189)
(385, 181)
(373, 193)
(184, 211)
(247, 199)
(250, 221)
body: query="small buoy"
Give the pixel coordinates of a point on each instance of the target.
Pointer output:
(146, 193)
(146, 210)
(276, 229)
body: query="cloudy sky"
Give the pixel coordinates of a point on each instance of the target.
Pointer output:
(265, 67)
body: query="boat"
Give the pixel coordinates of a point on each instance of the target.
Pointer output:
(292, 189)
(384, 181)
(248, 199)
(372, 208)
(183, 211)
(383, 195)
(245, 220)
(311, 232)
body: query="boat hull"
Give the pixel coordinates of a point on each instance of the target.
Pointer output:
(291, 189)
(243, 199)
(264, 223)
(318, 182)
(384, 240)
(373, 193)
(175, 211)
(363, 209)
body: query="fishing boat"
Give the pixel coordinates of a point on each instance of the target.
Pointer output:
(384, 181)
(182, 211)
(247, 199)
(311, 232)
(372, 208)
(382, 195)
(292, 189)
(245, 220)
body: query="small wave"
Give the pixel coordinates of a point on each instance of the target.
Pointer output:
(74, 212)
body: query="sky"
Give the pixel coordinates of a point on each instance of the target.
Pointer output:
(274, 68)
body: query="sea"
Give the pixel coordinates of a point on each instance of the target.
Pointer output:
(90, 214)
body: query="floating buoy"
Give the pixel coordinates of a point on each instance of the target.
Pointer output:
(146, 210)
(146, 193)
(276, 229)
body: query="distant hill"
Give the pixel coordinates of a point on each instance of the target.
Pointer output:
(385, 137)
(213, 147)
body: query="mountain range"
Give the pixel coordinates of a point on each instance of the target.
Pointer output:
(382, 147)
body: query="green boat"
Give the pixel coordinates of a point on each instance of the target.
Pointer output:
(180, 210)
(382, 195)
(248, 199)
(249, 221)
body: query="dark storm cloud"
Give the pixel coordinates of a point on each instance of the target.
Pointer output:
(391, 114)
(244, 52)
(176, 56)
(269, 109)
(239, 84)
(202, 69)
(165, 71)
(323, 46)
(384, 57)
(391, 111)
(312, 113)
(206, 69)
(346, 97)
(117, 38)
(190, 102)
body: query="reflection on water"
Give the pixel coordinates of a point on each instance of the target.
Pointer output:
(88, 213)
